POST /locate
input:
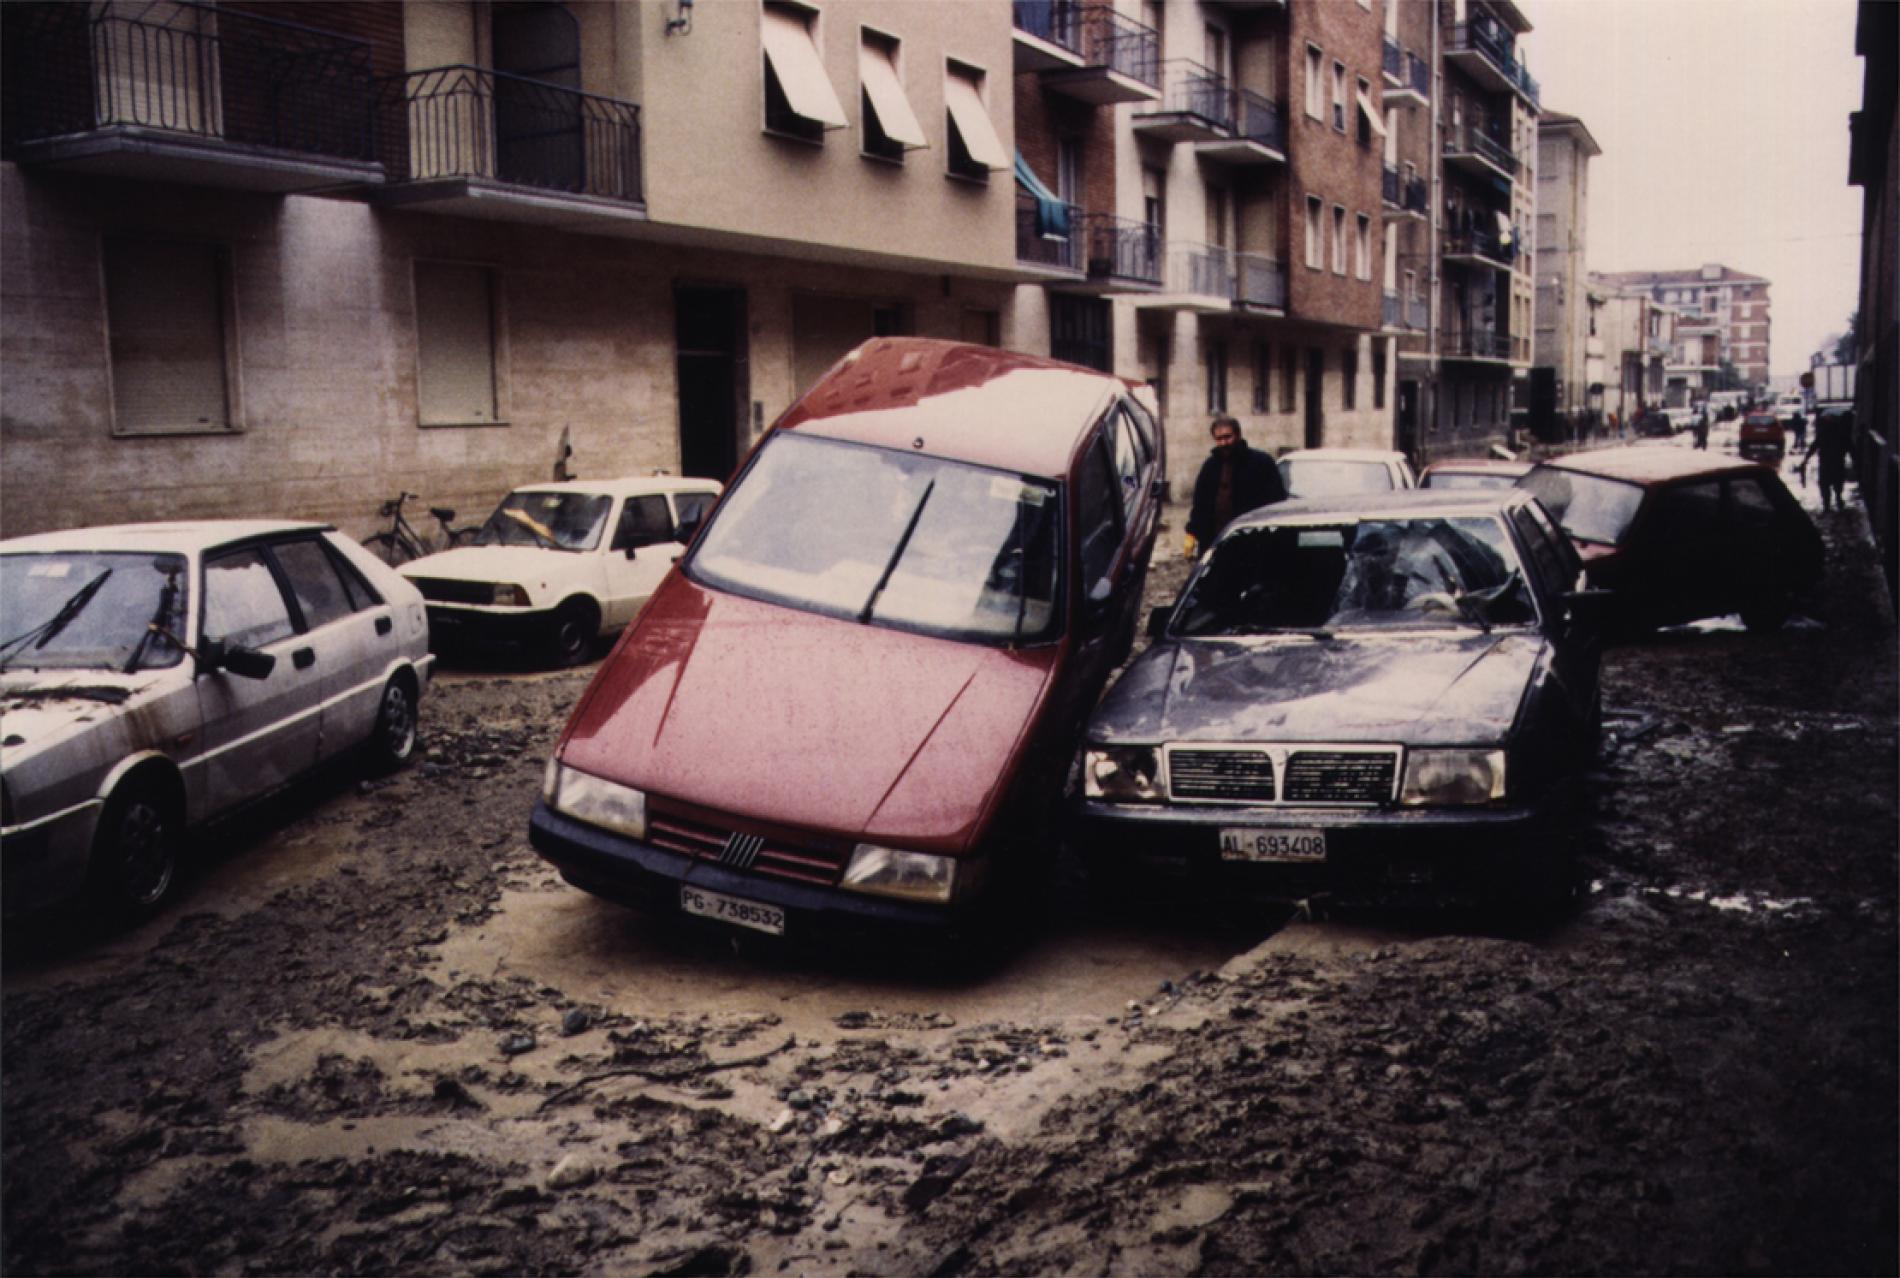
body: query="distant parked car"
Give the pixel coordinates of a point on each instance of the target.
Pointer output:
(1655, 423)
(159, 674)
(1677, 535)
(1375, 697)
(1472, 472)
(560, 565)
(855, 704)
(1762, 437)
(1319, 472)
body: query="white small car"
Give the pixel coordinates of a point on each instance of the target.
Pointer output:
(155, 675)
(1325, 472)
(560, 565)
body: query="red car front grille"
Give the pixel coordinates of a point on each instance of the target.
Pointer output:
(768, 855)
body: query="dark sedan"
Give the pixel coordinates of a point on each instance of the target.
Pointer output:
(1376, 698)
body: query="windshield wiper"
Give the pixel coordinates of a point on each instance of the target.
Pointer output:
(44, 633)
(536, 529)
(167, 596)
(903, 543)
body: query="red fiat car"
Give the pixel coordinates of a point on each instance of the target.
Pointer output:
(856, 701)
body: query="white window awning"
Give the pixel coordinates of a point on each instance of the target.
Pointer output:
(886, 93)
(801, 74)
(1369, 114)
(972, 121)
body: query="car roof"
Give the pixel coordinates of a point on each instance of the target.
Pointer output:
(992, 407)
(1344, 454)
(1399, 502)
(180, 537)
(1649, 465)
(625, 485)
(1476, 465)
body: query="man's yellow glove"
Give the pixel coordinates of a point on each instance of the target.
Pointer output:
(1190, 547)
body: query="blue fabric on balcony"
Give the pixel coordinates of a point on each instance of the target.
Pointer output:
(1052, 212)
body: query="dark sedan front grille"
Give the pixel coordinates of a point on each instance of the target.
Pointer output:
(1354, 778)
(447, 590)
(762, 854)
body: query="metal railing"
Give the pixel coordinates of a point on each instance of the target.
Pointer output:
(1191, 89)
(1418, 74)
(186, 68)
(1057, 21)
(469, 122)
(1389, 185)
(1203, 270)
(1415, 195)
(1477, 343)
(1259, 280)
(1392, 61)
(1471, 242)
(1123, 251)
(1035, 245)
(1469, 139)
(1498, 47)
(1259, 121)
(1417, 312)
(1394, 310)
(1120, 43)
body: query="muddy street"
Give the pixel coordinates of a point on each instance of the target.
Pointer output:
(378, 1034)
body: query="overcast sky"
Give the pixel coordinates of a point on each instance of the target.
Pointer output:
(1723, 125)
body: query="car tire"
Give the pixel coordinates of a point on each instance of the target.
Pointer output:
(576, 627)
(134, 864)
(392, 742)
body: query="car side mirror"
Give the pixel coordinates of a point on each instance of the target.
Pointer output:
(246, 663)
(1098, 601)
(1158, 622)
(631, 551)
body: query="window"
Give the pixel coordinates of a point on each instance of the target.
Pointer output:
(1349, 378)
(1081, 331)
(1315, 88)
(644, 521)
(1362, 249)
(1216, 376)
(975, 150)
(1339, 96)
(1097, 514)
(243, 604)
(890, 126)
(1411, 286)
(1378, 374)
(1370, 125)
(1289, 376)
(1339, 239)
(1129, 459)
(322, 596)
(1262, 376)
(799, 101)
(455, 344)
(168, 313)
(1315, 232)
(692, 507)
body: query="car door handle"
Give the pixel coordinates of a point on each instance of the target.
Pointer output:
(384, 625)
(304, 658)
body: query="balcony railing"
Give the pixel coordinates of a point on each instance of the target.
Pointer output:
(1259, 121)
(1204, 270)
(185, 68)
(1394, 310)
(468, 122)
(1417, 311)
(1468, 139)
(1121, 44)
(1393, 60)
(1123, 251)
(1259, 281)
(1498, 47)
(1472, 242)
(1192, 89)
(1057, 21)
(1418, 75)
(1477, 343)
(1389, 185)
(1037, 246)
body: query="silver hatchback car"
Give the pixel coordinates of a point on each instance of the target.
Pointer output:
(155, 675)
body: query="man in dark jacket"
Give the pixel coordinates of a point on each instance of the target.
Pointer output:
(1233, 480)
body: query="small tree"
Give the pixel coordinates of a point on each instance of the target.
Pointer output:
(1847, 347)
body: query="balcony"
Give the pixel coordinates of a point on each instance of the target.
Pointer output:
(184, 92)
(1258, 136)
(1393, 310)
(1259, 283)
(1487, 53)
(1392, 60)
(471, 142)
(1196, 106)
(1411, 85)
(1051, 254)
(1124, 256)
(1088, 51)
(1478, 153)
(1194, 277)
(1417, 312)
(1414, 198)
(1472, 247)
(1478, 344)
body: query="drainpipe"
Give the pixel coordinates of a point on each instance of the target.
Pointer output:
(1436, 194)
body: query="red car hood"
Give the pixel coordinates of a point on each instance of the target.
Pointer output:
(791, 718)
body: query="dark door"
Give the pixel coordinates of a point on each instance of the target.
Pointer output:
(1315, 405)
(1408, 420)
(537, 109)
(708, 323)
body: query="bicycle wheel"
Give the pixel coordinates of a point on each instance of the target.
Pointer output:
(390, 548)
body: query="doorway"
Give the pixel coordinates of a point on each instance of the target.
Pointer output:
(1315, 406)
(538, 128)
(709, 328)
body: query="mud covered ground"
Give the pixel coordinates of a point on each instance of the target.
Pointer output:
(378, 1035)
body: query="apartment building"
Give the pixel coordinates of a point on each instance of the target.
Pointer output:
(1874, 166)
(1202, 193)
(1561, 351)
(1725, 320)
(290, 258)
(1470, 129)
(1639, 338)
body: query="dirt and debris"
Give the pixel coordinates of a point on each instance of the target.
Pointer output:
(379, 1035)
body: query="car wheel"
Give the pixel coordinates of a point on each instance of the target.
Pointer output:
(392, 743)
(134, 861)
(576, 626)
(1768, 614)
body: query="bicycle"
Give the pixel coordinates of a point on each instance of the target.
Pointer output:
(400, 542)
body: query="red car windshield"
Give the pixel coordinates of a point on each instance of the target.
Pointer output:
(1589, 507)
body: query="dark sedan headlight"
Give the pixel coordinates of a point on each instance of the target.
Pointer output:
(595, 800)
(1452, 778)
(1122, 774)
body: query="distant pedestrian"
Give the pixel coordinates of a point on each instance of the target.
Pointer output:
(1833, 435)
(1798, 424)
(1233, 480)
(1702, 427)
